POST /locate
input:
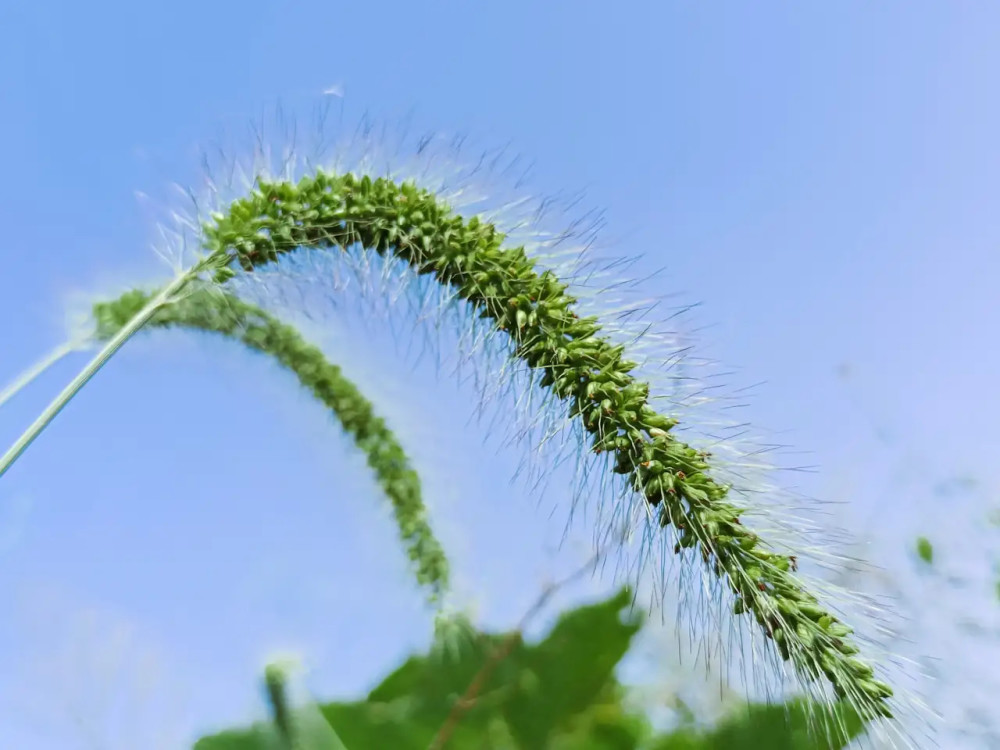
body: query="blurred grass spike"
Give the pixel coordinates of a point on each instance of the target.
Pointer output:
(210, 309)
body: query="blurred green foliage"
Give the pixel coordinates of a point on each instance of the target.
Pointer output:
(925, 550)
(560, 693)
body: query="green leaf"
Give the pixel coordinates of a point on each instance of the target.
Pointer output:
(560, 693)
(574, 666)
(561, 687)
(797, 725)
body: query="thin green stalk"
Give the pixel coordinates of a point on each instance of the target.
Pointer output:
(113, 345)
(276, 687)
(292, 734)
(34, 371)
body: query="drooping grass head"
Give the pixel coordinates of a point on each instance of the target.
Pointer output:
(591, 376)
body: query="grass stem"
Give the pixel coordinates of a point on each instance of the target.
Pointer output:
(34, 371)
(95, 364)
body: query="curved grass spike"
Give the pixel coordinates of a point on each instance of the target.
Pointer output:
(579, 366)
(215, 311)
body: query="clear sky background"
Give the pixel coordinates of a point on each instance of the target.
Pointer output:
(821, 177)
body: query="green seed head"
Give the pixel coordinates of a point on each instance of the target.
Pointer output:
(578, 365)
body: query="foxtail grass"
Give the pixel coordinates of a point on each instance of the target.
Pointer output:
(579, 360)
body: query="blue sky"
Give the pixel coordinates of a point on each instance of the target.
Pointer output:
(821, 179)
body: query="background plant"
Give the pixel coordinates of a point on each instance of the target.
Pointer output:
(560, 692)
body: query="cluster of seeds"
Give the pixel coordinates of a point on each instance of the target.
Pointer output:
(218, 312)
(579, 366)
